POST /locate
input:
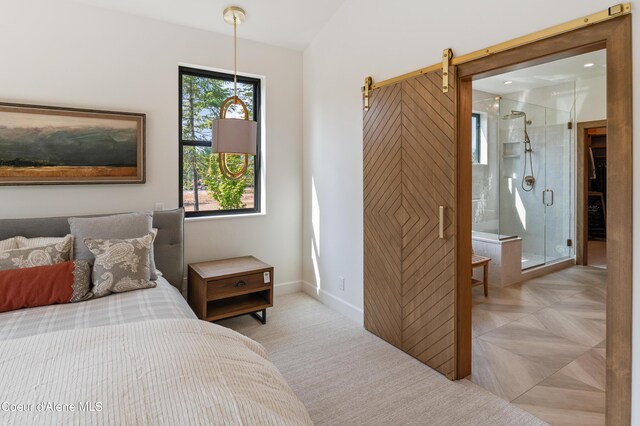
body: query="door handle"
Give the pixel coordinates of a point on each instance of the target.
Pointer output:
(544, 197)
(441, 223)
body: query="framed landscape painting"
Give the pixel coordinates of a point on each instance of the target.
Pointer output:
(51, 145)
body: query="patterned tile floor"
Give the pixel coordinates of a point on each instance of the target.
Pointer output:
(597, 254)
(541, 345)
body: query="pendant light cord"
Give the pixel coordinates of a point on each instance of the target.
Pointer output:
(235, 62)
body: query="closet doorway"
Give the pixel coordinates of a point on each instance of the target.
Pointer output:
(592, 194)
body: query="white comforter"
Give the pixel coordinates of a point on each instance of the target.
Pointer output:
(162, 372)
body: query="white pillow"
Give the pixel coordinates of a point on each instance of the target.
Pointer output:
(37, 242)
(23, 242)
(8, 244)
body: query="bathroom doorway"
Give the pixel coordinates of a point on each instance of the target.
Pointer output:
(614, 36)
(524, 218)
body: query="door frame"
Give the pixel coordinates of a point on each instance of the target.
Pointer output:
(582, 188)
(615, 36)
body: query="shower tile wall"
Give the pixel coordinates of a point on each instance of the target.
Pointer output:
(485, 201)
(521, 212)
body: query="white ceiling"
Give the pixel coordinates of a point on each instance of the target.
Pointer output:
(285, 23)
(551, 73)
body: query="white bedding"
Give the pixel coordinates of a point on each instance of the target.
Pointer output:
(173, 372)
(162, 302)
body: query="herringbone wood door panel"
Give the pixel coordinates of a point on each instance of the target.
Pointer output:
(409, 172)
(428, 182)
(383, 215)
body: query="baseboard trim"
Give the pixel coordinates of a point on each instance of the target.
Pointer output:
(337, 304)
(547, 269)
(280, 289)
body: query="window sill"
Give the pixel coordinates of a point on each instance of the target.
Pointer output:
(223, 216)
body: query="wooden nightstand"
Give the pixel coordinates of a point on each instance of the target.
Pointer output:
(227, 288)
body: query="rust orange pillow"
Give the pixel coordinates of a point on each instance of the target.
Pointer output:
(45, 285)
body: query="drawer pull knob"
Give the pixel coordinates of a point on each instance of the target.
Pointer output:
(241, 284)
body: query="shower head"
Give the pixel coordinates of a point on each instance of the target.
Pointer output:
(517, 114)
(514, 114)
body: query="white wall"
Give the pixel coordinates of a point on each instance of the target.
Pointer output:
(67, 54)
(485, 175)
(591, 99)
(485, 180)
(385, 39)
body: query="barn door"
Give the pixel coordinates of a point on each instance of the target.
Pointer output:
(409, 218)
(383, 215)
(428, 244)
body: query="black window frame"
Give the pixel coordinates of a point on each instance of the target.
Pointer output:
(477, 142)
(197, 72)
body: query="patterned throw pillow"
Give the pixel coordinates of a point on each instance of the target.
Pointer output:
(120, 265)
(38, 256)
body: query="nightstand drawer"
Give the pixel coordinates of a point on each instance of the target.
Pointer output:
(224, 287)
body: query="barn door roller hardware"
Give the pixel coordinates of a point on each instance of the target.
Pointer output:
(447, 55)
(368, 82)
(609, 13)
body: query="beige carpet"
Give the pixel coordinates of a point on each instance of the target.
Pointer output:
(346, 376)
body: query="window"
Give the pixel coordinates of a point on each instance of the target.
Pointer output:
(475, 138)
(203, 190)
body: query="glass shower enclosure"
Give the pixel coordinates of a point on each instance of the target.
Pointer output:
(523, 184)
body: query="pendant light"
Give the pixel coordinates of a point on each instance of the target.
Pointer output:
(234, 135)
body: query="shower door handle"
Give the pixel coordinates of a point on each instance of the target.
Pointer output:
(544, 197)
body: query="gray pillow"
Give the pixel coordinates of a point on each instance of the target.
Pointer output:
(120, 264)
(120, 226)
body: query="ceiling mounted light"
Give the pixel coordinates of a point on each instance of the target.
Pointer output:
(508, 82)
(231, 136)
(589, 64)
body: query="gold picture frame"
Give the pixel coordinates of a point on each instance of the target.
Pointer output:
(46, 145)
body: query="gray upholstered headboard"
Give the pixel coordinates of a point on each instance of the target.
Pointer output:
(168, 246)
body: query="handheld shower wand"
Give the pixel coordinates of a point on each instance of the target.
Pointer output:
(528, 180)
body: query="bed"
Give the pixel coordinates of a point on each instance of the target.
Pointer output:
(140, 357)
